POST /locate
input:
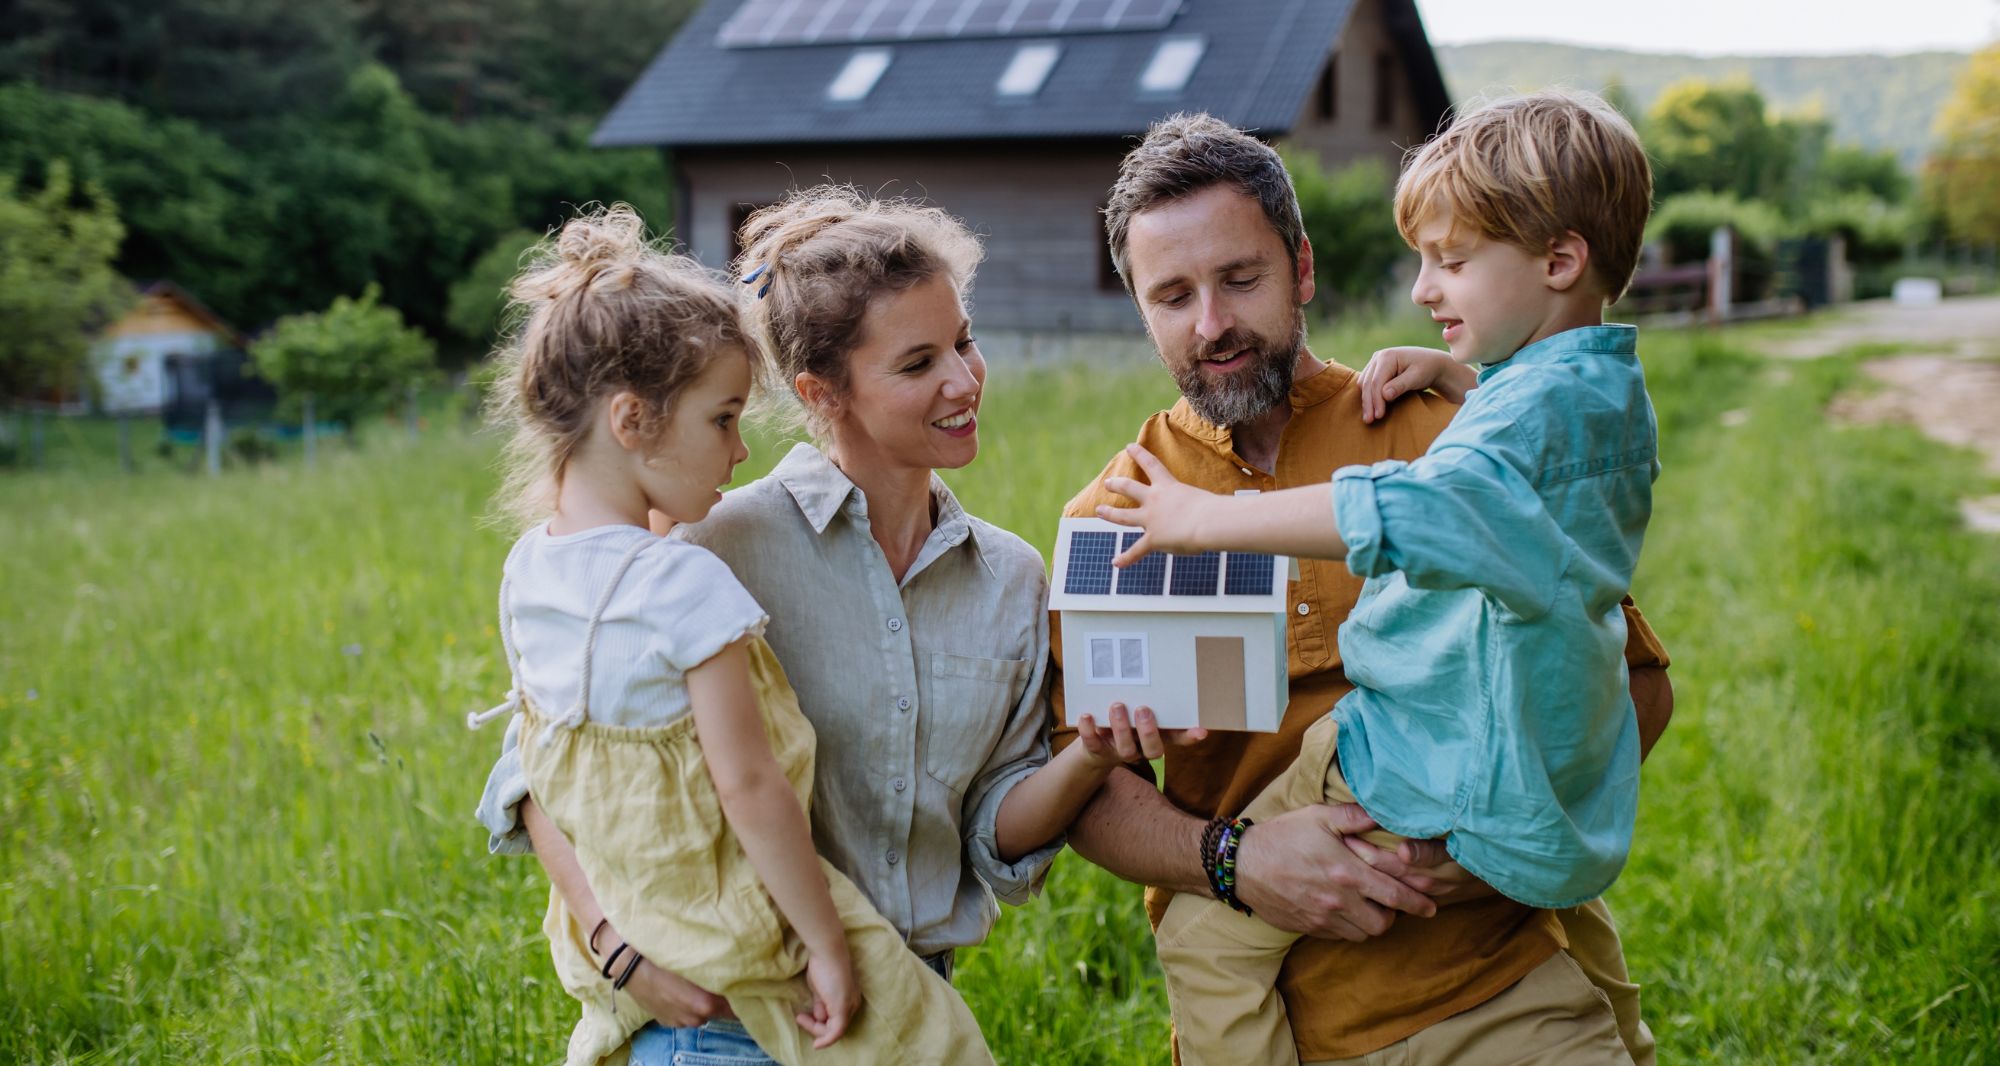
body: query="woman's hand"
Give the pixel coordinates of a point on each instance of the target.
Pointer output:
(1129, 737)
(834, 998)
(672, 1000)
(1168, 511)
(1393, 372)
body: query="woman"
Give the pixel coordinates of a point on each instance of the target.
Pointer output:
(914, 633)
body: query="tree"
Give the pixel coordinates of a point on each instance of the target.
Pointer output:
(354, 359)
(57, 286)
(1964, 173)
(1717, 137)
(1352, 226)
(479, 299)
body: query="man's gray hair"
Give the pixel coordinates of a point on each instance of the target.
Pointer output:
(1186, 153)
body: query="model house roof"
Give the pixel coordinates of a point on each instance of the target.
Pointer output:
(1225, 582)
(746, 72)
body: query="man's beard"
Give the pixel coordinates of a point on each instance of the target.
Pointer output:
(1251, 392)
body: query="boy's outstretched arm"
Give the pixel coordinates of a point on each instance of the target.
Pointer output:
(1183, 519)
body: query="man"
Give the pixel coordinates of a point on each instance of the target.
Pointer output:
(1205, 230)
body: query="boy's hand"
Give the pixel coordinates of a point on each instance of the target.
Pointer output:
(1129, 737)
(835, 998)
(1394, 372)
(1168, 511)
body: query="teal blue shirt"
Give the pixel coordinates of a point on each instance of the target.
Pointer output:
(1491, 705)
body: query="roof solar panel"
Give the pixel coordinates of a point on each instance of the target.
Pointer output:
(1195, 575)
(1249, 574)
(789, 22)
(1090, 563)
(1147, 577)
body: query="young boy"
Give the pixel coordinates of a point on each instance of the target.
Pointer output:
(1491, 705)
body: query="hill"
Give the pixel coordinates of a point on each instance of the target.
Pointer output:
(1880, 101)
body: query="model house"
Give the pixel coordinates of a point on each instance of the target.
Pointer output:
(1198, 638)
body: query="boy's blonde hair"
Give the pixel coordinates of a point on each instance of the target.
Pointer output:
(599, 309)
(1527, 169)
(817, 258)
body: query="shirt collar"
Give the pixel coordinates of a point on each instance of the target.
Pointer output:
(1610, 339)
(1311, 392)
(823, 491)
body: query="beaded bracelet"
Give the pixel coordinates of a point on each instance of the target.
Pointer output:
(1211, 834)
(1225, 862)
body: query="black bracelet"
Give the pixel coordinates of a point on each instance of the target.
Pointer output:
(621, 949)
(594, 930)
(619, 985)
(1211, 835)
(1225, 862)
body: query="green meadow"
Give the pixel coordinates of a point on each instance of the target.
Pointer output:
(235, 782)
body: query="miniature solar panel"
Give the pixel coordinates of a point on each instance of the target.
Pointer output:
(1147, 577)
(1090, 563)
(1195, 575)
(782, 22)
(1248, 574)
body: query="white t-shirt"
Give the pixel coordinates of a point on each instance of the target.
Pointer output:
(675, 608)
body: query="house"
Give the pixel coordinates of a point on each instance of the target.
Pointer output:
(1013, 115)
(167, 334)
(1198, 638)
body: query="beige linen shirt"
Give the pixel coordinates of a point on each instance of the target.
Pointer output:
(929, 696)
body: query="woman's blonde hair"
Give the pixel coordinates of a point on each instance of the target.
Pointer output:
(814, 260)
(599, 309)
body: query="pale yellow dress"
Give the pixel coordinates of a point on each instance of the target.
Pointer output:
(643, 815)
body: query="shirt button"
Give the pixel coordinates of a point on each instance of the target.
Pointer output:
(899, 783)
(894, 856)
(895, 625)
(1305, 608)
(902, 703)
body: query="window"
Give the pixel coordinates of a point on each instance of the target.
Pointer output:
(1029, 69)
(1173, 64)
(1118, 659)
(864, 68)
(739, 213)
(1328, 93)
(1385, 89)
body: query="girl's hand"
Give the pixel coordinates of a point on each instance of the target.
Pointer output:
(1126, 740)
(835, 998)
(1168, 511)
(1394, 372)
(672, 1000)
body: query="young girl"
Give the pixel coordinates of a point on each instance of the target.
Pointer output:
(657, 731)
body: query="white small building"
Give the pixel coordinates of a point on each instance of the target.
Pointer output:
(1198, 638)
(135, 355)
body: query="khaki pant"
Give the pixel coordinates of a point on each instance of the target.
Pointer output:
(1222, 966)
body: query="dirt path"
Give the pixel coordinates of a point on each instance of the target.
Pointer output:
(1948, 385)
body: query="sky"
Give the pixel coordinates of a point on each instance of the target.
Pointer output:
(1719, 27)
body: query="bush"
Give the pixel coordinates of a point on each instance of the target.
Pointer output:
(355, 358)
(1684, 222)
(1350, 219)
(479, 299)
(1876, 232)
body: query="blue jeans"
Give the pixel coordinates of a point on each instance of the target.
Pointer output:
(723, 1042)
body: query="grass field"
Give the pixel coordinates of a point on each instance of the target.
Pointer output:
(235, 784)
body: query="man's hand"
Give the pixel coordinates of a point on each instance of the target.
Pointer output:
(1425, 866)
(672, 1000)
(1168, 511)
(1393, 372)
(1299, 874)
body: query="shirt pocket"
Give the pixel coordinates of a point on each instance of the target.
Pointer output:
(966, 702)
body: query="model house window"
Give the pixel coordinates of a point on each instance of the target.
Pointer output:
(1328, 93)
(1385, 89)
(1118, 658)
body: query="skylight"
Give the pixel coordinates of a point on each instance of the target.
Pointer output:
(864, 68)
(1172, 65)
(1030, 68)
